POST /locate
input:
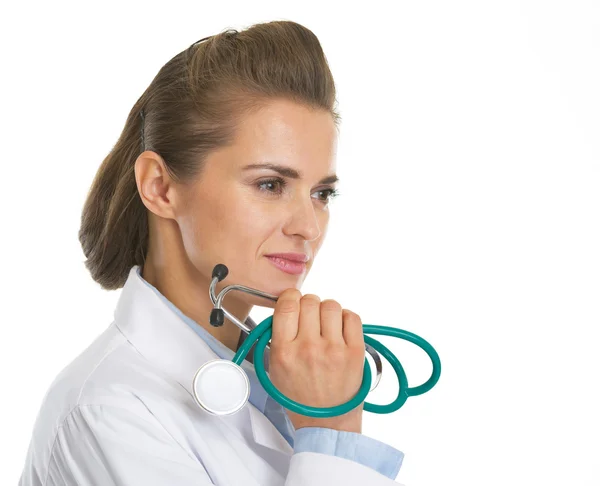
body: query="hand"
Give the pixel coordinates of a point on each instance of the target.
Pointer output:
(317, 357)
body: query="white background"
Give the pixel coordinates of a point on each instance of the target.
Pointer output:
(469, 213)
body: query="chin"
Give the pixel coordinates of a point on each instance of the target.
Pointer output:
(273, 290)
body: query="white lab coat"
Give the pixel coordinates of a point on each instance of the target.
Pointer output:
(123, 413)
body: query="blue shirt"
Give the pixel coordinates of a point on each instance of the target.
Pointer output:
(349, 445)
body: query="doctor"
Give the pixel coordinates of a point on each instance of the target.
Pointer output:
(228, 156)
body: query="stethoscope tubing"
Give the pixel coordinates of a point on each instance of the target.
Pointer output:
(262, 334)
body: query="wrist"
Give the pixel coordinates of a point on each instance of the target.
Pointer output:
(349, 422)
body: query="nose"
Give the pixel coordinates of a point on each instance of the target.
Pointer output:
(304, 220)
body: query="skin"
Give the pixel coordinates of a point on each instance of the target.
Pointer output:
(227, 216)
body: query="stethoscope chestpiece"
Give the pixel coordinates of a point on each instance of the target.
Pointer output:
(221, 387)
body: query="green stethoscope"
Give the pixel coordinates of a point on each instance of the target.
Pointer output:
(222, 387)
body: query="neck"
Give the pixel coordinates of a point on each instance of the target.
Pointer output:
(187, 289)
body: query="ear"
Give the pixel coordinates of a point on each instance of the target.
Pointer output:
(156, 188)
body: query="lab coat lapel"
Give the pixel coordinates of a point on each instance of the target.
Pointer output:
(166, 340)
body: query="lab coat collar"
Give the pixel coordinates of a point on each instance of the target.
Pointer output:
(258, 395)
(162, 337)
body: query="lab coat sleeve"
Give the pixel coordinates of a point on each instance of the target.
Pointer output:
(316, 469)
(112, 446)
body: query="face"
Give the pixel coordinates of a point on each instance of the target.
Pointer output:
(238, 214)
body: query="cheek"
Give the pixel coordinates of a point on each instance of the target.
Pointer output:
(196, 232)
(228, 226)
(251, 222)
(202, 224)
(248, 228)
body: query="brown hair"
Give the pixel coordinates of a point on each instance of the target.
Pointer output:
(190, 108)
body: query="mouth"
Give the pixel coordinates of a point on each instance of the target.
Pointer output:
(292, 264)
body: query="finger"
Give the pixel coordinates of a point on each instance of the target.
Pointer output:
(285, 316)
(331, 321)
(309, 324)
(353, 329)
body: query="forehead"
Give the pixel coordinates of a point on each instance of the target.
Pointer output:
(287, 133)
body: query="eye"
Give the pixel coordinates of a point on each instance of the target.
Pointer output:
(272, 182)
(330, 194)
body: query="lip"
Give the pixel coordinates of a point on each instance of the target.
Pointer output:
(288, 266)
(294, 257)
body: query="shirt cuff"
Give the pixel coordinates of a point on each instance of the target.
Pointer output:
(360, 448)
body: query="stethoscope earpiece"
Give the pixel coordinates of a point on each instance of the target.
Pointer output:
(217, 317)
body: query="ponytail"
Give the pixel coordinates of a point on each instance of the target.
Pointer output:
(114, 221)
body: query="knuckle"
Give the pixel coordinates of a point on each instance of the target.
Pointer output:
(357, 352)
(337, 353)
(351, 318)
(288, 306)
(310, 352)
(310, 300)
(330, 305)
(282, 356)
(291, 293)
(288, 301)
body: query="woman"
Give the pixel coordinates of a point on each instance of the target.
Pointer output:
(228, 157)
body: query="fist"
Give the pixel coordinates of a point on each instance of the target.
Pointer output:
(317, 355)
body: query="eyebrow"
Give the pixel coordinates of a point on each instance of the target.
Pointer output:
(289, 172)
